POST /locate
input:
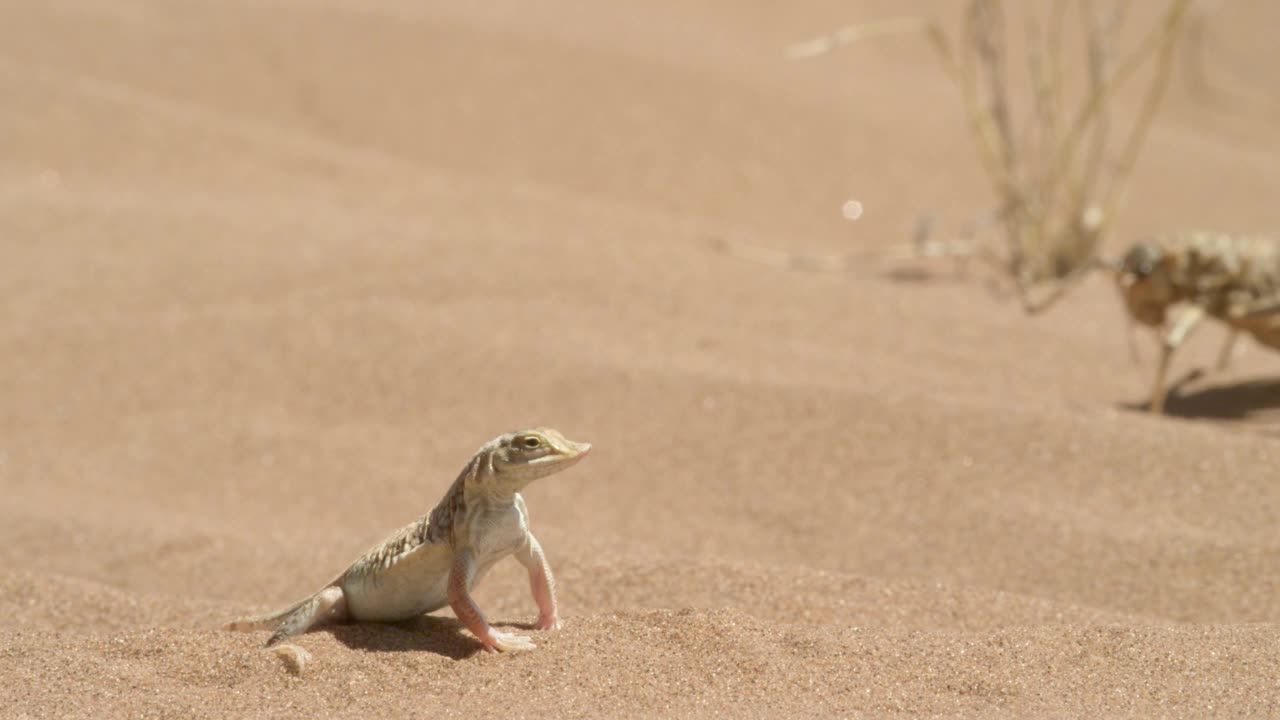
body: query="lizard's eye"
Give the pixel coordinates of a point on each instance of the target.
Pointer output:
(531, 443)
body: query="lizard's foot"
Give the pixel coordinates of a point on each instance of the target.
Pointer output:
(506, 642)
(548, 622)
(293, 657)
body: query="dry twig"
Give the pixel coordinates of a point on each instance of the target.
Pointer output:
(1059, 185)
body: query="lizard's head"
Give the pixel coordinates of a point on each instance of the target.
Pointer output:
(524, 456)
(1144, 282)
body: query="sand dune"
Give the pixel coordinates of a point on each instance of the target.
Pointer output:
(271, 271)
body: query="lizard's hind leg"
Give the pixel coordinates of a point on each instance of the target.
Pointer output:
(328, 604)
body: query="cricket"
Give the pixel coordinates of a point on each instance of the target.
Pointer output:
(1173, 282)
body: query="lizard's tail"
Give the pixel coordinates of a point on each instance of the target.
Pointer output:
(263, 622)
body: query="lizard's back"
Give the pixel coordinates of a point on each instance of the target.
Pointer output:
(404, 577)
(409, 574)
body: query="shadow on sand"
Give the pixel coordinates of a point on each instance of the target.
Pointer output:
(443, 636)
(1247, 400)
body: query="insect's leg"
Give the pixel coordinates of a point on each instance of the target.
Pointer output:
(541, 582)
(465, 608)
(1172, 339)
(1224, 355)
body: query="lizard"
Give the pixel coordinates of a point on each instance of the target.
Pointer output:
(437, 559)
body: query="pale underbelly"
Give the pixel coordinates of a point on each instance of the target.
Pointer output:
(417, 584)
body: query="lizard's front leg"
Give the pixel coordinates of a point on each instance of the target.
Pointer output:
(541, 582)
(465, 608)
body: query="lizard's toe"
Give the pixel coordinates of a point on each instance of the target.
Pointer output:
(508, 642)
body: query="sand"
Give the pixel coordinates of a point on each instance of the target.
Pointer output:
(271, 271)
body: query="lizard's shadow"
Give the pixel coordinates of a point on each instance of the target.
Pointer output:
(442, 636)
(1245, 400)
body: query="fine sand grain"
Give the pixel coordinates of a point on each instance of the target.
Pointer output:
(271, 270)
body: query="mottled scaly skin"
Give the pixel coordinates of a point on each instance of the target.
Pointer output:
(437, 559)
(1235, 278)
(435, 528)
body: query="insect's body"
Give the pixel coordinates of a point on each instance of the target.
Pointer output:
(1228, 275)
(1232, 278)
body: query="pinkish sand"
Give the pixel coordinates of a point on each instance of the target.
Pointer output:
(270, 271)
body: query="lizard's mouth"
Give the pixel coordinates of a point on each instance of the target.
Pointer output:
(576, 452)
(565, 455)
(569, 456)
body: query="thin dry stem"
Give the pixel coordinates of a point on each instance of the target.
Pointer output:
(1060, 187)
(1155, 93)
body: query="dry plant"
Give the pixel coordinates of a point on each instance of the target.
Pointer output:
(1059, 178)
